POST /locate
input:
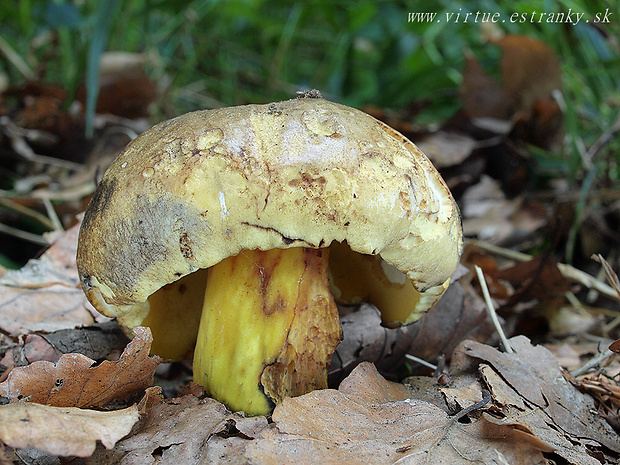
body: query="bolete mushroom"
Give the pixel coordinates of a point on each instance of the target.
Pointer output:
(240, 227)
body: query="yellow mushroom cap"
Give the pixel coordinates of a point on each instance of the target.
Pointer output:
(306, 172)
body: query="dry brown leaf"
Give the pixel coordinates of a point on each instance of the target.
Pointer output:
(482, 95)
(459, 314)
(73, 381)
(447, 148)
(124, 89)
(530, 73)
(368, 421)
(530, 69)
(489, 215)
(538, 279)
(533, 421)
(63, 431)
(185, 430)
(534, 374)
(96, 341)
(45, 294)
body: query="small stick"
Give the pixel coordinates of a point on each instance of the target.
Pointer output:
(25, 235)
(51, 213)
(596, 361)
(492, 313)
(569, 272)
(421, 361)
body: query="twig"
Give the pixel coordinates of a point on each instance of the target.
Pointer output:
(16, 135)
(421, 361)
(611, 275)
(596, 361)
(27, 236)
(604, 139)
(12, 205)
(486, 398)
(492, 313)
(569, 272)
(53, 216)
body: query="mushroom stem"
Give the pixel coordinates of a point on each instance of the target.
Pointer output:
(280, 337)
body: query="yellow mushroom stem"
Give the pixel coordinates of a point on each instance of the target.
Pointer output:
(268, 329)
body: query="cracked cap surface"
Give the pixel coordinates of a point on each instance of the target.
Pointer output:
(201, 187)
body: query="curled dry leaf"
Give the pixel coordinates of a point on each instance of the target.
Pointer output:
(533, 373)
(73, 381)
(63, 431)
(370, 420)
(45, 294)
(532, 422)
(96, 341)
(185, 430)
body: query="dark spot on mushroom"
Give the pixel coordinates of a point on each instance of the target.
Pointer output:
(178, 274)
(310, 93)
(86, 281)
(100, 201)
(274, 109)
(182, 288)
(347, 223)
(195, 152)
(59, 382)
(186, 246)
(276, 307)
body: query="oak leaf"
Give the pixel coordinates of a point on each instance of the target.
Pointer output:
(73, 381)
(63, 431)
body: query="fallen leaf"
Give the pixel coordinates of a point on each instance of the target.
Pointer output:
(185, 430)
(534, 421)
(63, 431)
(533, 373)
(96, 341)
(447, 148)
(482, 95)
(536, 279)
(489, 215)
(45, 294)
(368, 421)
(124, 87)
(73, 381)
(530, 69)
(459, 314)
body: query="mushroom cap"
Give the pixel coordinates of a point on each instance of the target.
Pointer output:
(206, 185)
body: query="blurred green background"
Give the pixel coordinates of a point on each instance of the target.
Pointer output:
(212, 53)
(205, 54)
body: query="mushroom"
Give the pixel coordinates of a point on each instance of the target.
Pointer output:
(233, 232)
